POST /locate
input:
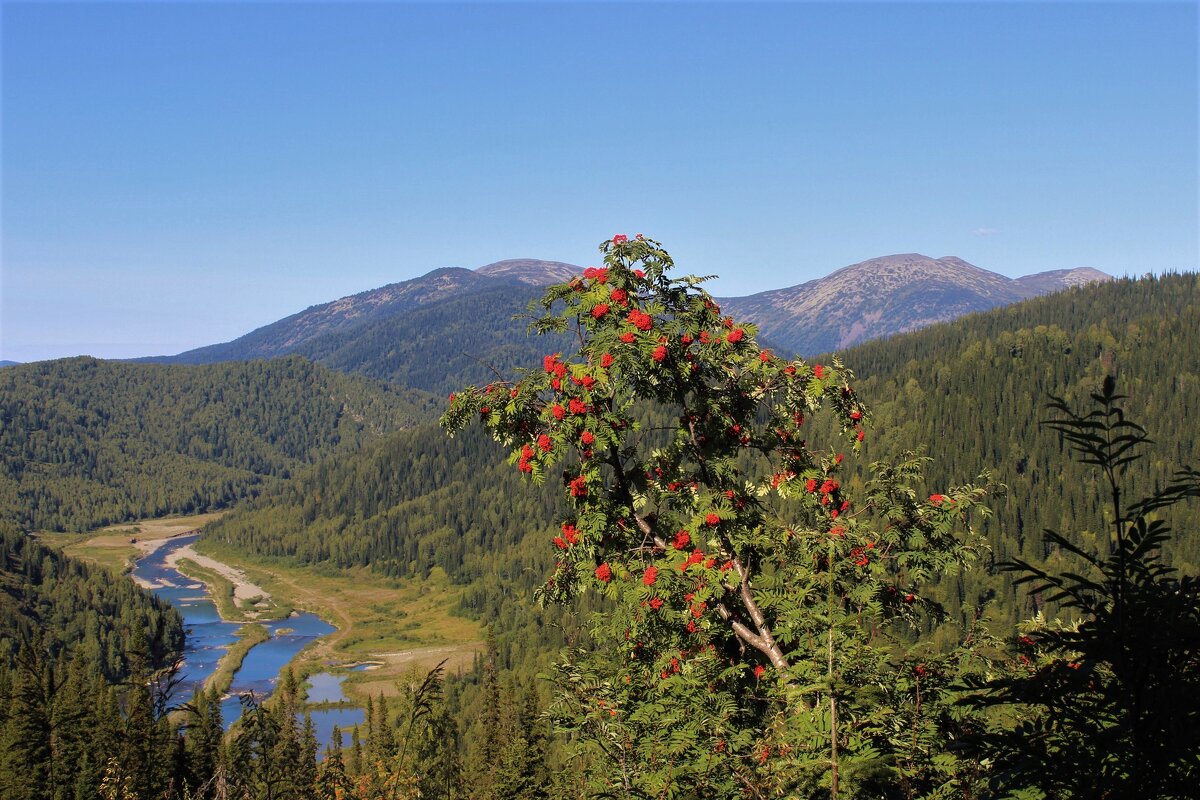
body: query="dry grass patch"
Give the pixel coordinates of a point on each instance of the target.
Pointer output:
(400, 665)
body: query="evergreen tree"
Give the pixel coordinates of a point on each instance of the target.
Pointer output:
(73, 725)
(205, 731)
(137, 756)
(26, 743)
(334, 746)
(356, 765)
(491, 742)
(305, 776)
(262, 765)
(381, 740)
(439, 767)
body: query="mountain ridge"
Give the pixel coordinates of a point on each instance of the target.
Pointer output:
(887, 295)
(871, 299)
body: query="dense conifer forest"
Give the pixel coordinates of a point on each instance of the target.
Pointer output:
(78, 649)
(972, 392)
(63, 607)
(86, 443)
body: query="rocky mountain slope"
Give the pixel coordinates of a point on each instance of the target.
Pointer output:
(1058, 279)
(885, 296)
(346, 314)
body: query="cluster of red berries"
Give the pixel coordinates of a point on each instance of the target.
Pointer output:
(640, 320)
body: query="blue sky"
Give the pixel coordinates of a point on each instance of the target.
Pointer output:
(179, 174)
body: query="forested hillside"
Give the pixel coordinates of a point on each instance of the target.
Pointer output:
(972, 392)
(59, 606)
(406, 505)
(85, 443)
(78, 649)
(345, 319)
(463, 339)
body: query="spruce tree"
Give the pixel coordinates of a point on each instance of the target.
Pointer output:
(204, 734)
(355, 765)
(25, 743)
(305, 777)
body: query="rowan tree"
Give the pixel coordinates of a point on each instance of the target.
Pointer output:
(755, 639)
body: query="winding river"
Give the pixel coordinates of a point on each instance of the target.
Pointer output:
(208, 637)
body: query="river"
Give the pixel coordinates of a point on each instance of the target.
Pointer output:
(208, 637)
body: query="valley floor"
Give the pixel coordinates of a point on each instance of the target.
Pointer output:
(392, 628)
(117, 547)
(244, 592)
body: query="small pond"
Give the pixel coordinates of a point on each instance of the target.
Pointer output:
(326, 687)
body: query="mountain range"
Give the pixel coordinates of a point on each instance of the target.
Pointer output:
(467, 314)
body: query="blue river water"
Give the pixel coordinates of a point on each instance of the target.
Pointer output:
(208, 637)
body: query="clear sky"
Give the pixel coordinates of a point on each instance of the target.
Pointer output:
(179, 174)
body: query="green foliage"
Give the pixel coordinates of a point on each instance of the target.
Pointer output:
(509, 742)
(967, 391)
(67, 731)
(751, 599)
(1110, 702)
(86, 443)
(399, 507)
(645, 705)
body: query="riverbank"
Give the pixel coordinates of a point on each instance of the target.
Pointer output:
(117, 548)
(245, 592)
(393, 625)
(239, 639)
(250, 635)
(237, 599)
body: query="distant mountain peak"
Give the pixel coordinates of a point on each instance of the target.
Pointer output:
(357, 311)
(1058, 279)
(530, 270)
(886, 295)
